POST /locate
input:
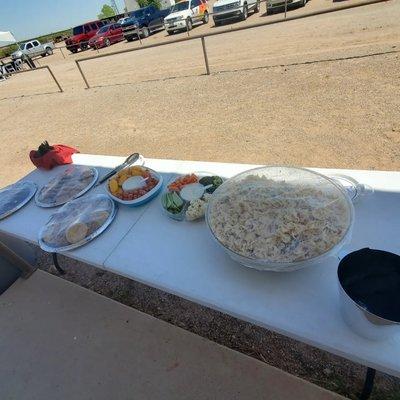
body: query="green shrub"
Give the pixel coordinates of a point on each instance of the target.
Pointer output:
(6, 51)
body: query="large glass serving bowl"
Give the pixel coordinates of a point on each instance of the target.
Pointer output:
(278, 218)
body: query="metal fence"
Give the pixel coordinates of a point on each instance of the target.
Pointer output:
(221, 32)
(202, 38)
(60, 90)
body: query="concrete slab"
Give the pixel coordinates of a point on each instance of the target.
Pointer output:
(8, 274)
(61, 341)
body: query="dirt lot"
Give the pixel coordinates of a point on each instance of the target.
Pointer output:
(277, 100)
(322, 91)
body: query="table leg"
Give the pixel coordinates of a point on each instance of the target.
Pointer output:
(56, 264)
(368, 384)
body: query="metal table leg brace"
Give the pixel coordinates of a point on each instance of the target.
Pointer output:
(368, 384)
(56, 264)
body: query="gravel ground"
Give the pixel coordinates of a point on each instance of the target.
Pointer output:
(343, 114)
(316, 92)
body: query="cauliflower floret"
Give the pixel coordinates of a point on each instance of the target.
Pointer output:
(196, 209)
(207, 197)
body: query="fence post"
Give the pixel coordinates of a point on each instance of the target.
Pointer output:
(82, 74)
(203, 43)
(62, 52)
(285, 8)
(55, 79)
(138, 35)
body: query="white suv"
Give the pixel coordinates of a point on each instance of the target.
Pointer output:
(186, 13)
(225, 10)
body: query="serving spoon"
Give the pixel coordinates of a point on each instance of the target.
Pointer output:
(129, 161)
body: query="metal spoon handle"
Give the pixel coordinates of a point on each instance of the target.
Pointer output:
(129, 160)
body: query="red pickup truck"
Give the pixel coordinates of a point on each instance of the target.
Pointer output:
(81, 35)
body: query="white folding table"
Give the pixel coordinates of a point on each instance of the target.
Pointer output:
(182, 258)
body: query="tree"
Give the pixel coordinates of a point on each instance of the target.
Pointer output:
(142, 3)
(106, 12)
(145, 3)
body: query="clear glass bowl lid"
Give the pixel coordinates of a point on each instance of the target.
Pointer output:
(280, 215)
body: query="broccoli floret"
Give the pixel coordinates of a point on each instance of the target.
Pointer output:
(207, 180)
(216, 181)
(211, 189)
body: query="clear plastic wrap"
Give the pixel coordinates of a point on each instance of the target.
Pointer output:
(280, 218)
(67, 185)
(14, 197)
(77, 222)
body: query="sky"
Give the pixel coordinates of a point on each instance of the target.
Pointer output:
(30, 18)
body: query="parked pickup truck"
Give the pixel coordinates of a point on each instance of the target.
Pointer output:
(33, 49)
(145, 21)
(81, 35)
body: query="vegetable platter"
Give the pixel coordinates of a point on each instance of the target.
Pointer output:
(187, 196)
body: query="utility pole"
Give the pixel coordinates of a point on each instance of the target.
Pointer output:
(115, 7)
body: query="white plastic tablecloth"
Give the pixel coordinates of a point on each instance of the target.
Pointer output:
(182, 258)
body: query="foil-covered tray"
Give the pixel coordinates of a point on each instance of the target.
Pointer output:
(69, 184)
(77, 223)
(15, 196)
